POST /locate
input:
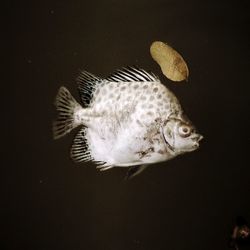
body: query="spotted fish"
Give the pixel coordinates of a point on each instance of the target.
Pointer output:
(129, 119)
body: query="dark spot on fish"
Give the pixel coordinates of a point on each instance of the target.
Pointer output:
(123, 88)
(111, 96)
(155, 90)
(164, 113)
(110, 86)
(151, 149)
(159, 96)
(169, 133)
(142, 116)
(97, 91)
(146, 152)
(139, 123)
(150, 113)
(143, 98)
(104, 91)
(103, 113)
(141, 154)
(145, 86)
(160, 151)
(165, 122)
(157, 140)
(99, 99)
(158, 120)
(136, 86)
(151, 98)
(166, 106)
(150, 106)
(118, 97)
(159, 103)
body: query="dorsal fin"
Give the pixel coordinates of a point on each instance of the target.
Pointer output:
(80, 150)
(132, 74)
(86, 85)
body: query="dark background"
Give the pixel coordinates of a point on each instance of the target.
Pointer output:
(191, 202)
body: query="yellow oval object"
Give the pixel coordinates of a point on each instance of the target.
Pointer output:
(171, 62)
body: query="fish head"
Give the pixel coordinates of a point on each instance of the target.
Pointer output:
(180, 136)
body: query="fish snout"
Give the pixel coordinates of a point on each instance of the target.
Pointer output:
(197, 138)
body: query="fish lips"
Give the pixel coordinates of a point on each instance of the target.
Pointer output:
(197, 138)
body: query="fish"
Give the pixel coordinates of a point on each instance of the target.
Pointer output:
(128, 119)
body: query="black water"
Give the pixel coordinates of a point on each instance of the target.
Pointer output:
(191, 202)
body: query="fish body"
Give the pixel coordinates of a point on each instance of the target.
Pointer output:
(128, 119)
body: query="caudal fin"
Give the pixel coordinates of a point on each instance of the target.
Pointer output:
(66, 106)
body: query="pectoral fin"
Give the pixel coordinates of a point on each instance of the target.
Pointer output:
(134, 170)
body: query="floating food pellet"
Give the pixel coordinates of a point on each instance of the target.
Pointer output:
(171, 62)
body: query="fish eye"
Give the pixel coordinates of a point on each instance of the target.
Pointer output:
(184, 131)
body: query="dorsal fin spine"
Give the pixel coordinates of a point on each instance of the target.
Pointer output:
(132, 74)
(86, 85)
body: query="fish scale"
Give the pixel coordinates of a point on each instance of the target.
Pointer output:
(129, 119)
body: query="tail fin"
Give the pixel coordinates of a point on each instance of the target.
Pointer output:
(66, 106)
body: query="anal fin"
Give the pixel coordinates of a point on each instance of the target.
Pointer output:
(80, 150)
(134, 170)
(104, 167)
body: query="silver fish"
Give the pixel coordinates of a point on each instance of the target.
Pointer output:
(129, 119)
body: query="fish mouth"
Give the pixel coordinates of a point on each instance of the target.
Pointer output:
(200, 138)
(197, 139)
